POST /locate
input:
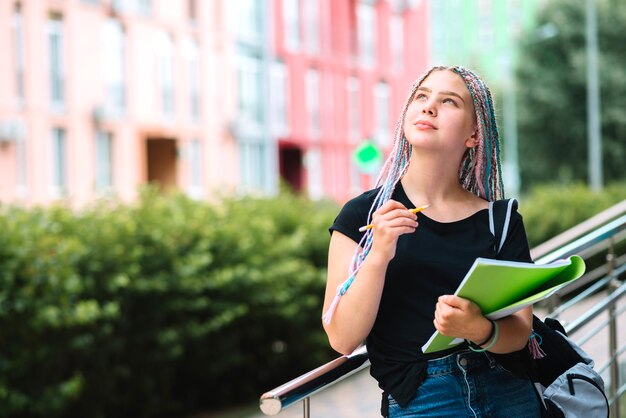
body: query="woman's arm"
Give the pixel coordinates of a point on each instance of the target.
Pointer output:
(354, 317)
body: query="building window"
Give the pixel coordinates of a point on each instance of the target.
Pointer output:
(21, 168)
(312, 22)
(279, 99)
(17, 25)
(192, 57)
(454, 29)
(366, 23)
(396, 37)
(514, 12)
(192, 11)
(330, 114)
(118, 5)
(253, 166)
(56, 61)
(381, 102)
(59, 162)
(355, 177)
(165, 67)
(114, 68)
(248, 21)
(312, 81)
(354, 109)
(141, 7)
(104, 161)
(438, 30)
(20, 144)
(291, 17)
(250, 89)
(144, 7)
(337, 172)
(485, 24)
(195, 169)
(315, 181)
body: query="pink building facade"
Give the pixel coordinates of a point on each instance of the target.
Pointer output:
(100, 97)
(347, 66)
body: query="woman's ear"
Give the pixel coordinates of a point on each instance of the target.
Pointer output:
(472, 141)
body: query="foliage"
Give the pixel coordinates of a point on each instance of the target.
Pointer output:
(160, 308)
(552, 95)
(170, 306)
(551, 209)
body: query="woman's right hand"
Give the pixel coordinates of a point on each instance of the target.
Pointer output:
(389, 222)
(356, 314)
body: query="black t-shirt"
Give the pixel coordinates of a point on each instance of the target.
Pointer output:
(428, 263)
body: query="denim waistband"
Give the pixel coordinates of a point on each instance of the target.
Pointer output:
(461, 360)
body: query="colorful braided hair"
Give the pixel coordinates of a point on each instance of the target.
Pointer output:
(479, 171)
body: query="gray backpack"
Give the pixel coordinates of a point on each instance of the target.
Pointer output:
(562, 372)
(564, 376)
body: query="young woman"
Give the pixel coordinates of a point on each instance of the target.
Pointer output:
(402, 273)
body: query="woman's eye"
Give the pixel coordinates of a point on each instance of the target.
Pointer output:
(450, 101)
(420, 96)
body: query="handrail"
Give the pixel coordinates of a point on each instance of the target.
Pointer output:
(275, 400)
(596, 310)
(600, 283)
(584, 237)
(583, 228)
(586, 241)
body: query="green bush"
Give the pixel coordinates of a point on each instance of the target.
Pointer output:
(551, 209)
(160, 308)
(169, 306)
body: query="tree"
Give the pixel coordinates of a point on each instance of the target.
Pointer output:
(551, 84)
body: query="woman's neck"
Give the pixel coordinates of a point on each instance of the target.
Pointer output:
(432, 180)
(436, 183)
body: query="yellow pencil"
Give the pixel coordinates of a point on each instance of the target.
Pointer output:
(414, 210)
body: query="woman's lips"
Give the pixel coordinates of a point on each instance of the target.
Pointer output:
(424, 124)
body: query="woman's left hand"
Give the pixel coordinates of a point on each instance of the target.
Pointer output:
(460, 318)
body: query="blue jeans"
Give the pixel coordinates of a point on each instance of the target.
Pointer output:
(469, 384)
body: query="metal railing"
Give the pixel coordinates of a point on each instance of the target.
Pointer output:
(598, 234)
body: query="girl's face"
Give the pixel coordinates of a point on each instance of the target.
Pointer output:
(441, 115)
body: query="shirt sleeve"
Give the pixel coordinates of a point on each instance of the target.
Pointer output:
(351, 217)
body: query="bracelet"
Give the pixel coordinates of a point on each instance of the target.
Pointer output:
(491, 344)
(490, 336)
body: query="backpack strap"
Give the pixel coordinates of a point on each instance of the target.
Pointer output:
(499, 219)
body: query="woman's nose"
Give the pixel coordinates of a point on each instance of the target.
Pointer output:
(429, 110)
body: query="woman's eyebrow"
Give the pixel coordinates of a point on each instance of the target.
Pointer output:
(445, 93)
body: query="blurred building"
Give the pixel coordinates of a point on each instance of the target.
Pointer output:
(99, 97)
(480, 34)
(483, 35)
(340, 74)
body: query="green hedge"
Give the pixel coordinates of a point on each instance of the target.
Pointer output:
(169, 306)
(551, 209)
(160, 308)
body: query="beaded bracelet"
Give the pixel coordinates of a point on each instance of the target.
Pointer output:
(491, 344)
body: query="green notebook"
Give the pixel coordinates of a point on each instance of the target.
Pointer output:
(501, 288)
